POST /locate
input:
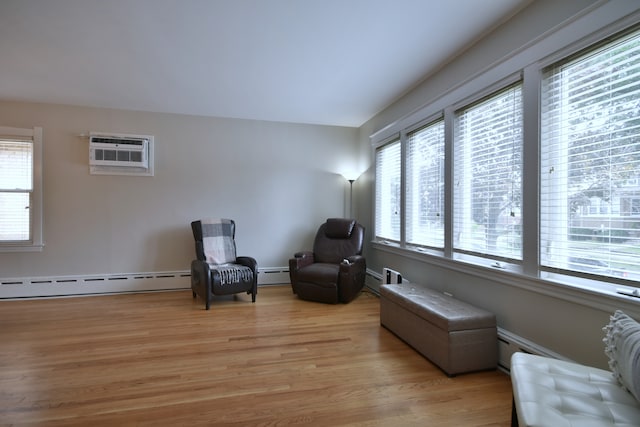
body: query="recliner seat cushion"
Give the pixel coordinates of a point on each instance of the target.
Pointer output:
(320, 274)
(233, 273)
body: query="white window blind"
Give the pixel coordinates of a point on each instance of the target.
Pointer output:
(488, 175)
(16, 187)
(425, 186)
(590, 160)
(388, 191)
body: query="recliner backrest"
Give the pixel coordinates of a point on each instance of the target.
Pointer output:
(337, 239)
(227, 227)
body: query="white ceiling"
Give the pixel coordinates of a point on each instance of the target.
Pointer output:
(336, 62)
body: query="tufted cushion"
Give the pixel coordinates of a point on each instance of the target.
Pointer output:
(551, 392)
(622, 346)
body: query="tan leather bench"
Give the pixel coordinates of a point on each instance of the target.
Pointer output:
(454, 335)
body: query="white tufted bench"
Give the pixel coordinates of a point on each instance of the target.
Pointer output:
(556, 393)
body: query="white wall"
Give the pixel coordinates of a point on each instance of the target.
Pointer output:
(278, 181)
(561, 323)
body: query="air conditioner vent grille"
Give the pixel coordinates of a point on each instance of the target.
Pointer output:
(120, 154)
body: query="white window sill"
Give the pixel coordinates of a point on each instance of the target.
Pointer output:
(21, 248)
(589, 292)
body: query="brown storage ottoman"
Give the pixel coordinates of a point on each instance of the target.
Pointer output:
(454, 335)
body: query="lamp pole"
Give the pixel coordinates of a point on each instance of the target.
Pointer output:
(351, 197)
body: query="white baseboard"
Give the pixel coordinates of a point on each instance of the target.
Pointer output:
(30, 287)
(57, 286)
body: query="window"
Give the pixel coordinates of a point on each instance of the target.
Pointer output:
(425, 186)
(487, 183)
(20, 189)
(539, 176)
(590, 148)
(388, 191)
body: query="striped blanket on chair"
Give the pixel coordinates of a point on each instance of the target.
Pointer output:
(220, 251)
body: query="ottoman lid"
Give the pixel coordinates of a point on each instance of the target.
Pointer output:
(445, 312)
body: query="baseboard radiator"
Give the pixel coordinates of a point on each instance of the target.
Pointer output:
(34, 287)
(509, 343)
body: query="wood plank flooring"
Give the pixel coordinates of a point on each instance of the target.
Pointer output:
(159, 359)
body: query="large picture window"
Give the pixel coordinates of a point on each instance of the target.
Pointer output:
(590, 146)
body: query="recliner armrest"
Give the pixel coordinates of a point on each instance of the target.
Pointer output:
(200, 273)
(301, 259)
(303, 254)
(354, 262)
(352, 276)
(248, 261)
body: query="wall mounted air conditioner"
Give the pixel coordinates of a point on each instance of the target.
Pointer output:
(120, 154)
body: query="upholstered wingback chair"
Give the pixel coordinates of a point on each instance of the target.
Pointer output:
(335, 270)
(217, 270)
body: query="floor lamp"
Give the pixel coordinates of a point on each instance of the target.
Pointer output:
(351, 178)
(351, 197)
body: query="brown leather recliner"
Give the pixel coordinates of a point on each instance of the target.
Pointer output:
(335, 270)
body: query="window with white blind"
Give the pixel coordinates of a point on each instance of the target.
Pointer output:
(388, 191)
(487, 185)
(20, 189)
(590, 161)
(536, 175)
(425, 186)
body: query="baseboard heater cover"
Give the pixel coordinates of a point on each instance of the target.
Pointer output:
(33, 287)
(273, 276)
(509, 343)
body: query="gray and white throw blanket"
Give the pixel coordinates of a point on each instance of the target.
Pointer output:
(233, 273)
(220, 251)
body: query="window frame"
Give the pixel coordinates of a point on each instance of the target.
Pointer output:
(503, 86)
(35, 243)
(383, 145)
(529, 63)
(431, 121)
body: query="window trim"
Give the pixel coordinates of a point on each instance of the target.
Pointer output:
(36, 244)
(528, 61)
(393, 139)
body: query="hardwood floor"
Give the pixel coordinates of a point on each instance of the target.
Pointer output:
(161, 359)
